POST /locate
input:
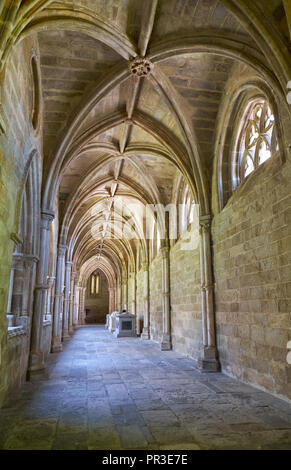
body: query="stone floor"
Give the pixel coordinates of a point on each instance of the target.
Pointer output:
(107, 393)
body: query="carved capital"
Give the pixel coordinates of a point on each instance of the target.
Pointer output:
(51, 280)
(145, 268)
(140, 67)
(16, 259)
(205, 223)
(29, 258)
(46, 218)
(62, 250)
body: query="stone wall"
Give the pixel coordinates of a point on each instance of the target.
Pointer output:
(17, 361)
(185, 300)
(252, 262)
(18, 145)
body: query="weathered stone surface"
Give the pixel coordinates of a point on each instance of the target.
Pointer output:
(181, 411)
(145, 104)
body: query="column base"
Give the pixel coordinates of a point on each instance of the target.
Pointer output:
(56, 345)
(36, 362)
(71, 331)
(208, 362)
(66, 335)
(145, 334)
(166, 344)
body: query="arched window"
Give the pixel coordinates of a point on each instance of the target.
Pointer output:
(256, 140)
(94, 283)
(158, 240)
(187, 210)
(153, 240)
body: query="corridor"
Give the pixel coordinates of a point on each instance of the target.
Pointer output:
(108, 393)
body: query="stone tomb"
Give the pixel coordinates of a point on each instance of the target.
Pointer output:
(124, 325)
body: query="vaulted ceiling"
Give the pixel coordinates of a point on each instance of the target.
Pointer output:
(116, 128)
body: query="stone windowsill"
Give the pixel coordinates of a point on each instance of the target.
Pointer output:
(15, 331)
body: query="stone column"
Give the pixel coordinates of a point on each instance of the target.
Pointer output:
(112, 303)
(36, 361)
(49, 310)
(209, 355)
(10, 316)
(72, 300)
(166, 343)
(28, 286)
(146, 301)
(119, 298)
(132, 278)
(125, 294)
(76, 306)
(17, 292)
(82, 313)
(67, 300)
(58, 301)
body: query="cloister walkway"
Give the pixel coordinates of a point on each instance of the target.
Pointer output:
(107, 393)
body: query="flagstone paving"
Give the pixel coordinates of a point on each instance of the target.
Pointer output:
(108, 393)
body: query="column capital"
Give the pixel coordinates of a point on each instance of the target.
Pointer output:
(46, 219)
(145, 265)
(51, 280)
(16, 258)
(47, 214)
(165, 251)
(41, 287)
(30, 258)
(62, 249)
(205, 222)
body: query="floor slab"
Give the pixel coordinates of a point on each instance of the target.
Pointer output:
(107, 393)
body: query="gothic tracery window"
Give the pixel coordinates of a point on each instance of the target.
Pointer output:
(94, 283)
(256, 141)
(187, 209)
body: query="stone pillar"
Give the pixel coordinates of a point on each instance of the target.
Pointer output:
(58, 301)
(132, 278)
(146, 301)
(76, 306)
(72, 300)
(17, 292)
(49, 310)
(67, 300)
(112, 300)
(119, 298)
(209, 355)
(166, 343)
(28, 286)
(82, 312)
(10, 316)
(36, 361)
(125, 294)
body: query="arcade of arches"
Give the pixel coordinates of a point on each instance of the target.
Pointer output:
(110, 109)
